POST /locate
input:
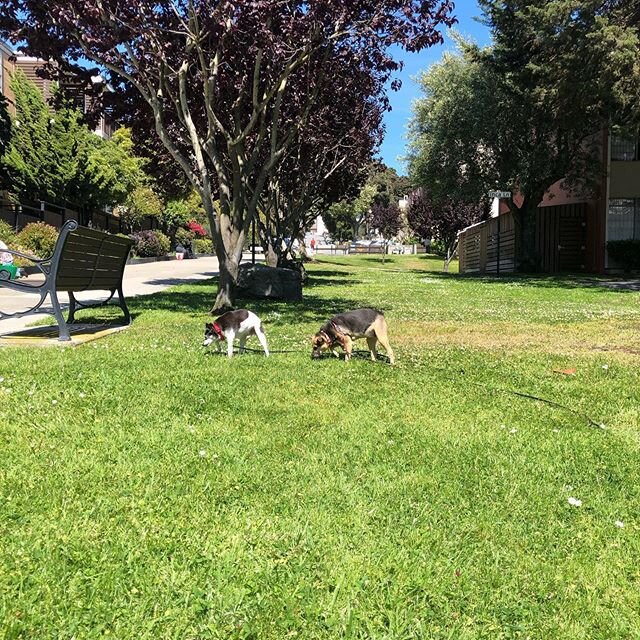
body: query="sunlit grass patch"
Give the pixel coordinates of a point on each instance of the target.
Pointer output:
(150, 490)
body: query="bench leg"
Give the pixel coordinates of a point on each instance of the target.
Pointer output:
(63, 335)
(72, 308)
(123, 306)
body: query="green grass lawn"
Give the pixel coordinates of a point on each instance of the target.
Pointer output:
(149, 490)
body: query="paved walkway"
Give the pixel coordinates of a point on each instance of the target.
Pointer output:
(139, 280)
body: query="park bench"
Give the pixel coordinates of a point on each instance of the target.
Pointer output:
(365, 248)
(82, 260)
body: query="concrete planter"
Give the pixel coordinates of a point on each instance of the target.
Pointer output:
(260, 281)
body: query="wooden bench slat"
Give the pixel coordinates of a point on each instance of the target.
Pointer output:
(115, 276)
(94, 245)
(89, 262)
(86, 284)
(93, 248)
(87, 234)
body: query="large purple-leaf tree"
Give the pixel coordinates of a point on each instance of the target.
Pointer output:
(215, 75)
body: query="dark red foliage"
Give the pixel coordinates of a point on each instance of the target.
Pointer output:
(441, 220)
(387, 220)
(230, 86)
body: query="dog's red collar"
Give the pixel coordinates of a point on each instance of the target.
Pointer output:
(218, 329)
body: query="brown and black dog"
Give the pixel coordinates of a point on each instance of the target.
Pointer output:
(344, 328)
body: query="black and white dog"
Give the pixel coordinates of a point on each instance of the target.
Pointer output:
(239, 323)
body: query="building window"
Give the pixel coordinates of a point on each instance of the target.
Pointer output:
(624, 148)
(623, 221)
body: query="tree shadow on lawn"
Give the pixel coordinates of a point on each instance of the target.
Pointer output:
(542, 281)
(326, 278)
(198, 299)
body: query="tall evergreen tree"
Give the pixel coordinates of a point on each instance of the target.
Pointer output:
(26, 156)
(528, 111)
(52, 155)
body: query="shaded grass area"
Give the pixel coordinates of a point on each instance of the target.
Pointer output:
(149, 491)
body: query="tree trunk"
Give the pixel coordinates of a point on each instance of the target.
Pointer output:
(227, 282)
(451, 248)
(228, 242)
(271, 257)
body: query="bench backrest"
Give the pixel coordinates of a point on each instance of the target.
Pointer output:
(90, 260)
(376, 248)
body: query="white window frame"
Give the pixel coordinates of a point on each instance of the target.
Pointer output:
(634, 214)
(632, 151)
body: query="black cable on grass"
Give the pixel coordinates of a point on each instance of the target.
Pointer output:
(581, 414)
(520, 394)
(224, 353)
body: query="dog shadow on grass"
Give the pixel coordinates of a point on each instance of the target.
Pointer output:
(358, 354)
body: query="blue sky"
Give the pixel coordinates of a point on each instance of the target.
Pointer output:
(393, 147)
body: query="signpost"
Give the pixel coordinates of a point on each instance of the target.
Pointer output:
(500, 195)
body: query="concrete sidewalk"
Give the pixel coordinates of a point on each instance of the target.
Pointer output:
(139, 280)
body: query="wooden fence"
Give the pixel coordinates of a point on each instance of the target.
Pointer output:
(19, 215)
(490, 246)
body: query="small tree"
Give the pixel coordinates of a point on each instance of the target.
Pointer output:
(388, 222)
(441, 221)
(346, 219)
(143, 202)
(340, 220)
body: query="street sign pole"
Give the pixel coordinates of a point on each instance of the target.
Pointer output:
(498, 248)
(501, 195)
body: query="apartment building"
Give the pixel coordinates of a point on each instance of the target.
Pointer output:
(7, 69)
(572, 228)
(72, 87)
(623, 191)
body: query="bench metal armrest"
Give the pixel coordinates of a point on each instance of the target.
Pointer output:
(38, 262)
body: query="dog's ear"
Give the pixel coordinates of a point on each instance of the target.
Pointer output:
(209, 325)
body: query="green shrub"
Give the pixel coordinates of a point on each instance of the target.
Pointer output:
(437, 247)
(184, 236)
(7, 234)
(626, 253)
(150, 244)
(38, 238)
(203, 245)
